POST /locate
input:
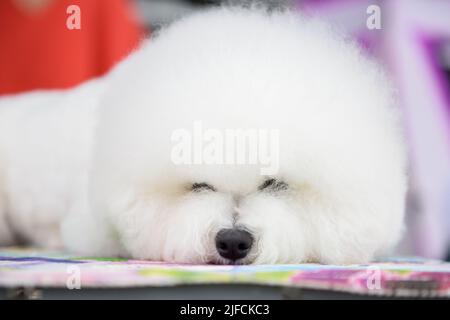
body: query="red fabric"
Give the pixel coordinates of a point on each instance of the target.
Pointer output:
(38, 51)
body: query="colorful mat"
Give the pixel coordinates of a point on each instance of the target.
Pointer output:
(393, 277)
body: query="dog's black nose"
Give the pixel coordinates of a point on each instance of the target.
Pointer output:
(233, 244)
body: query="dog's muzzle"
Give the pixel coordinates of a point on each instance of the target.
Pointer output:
(233, 244)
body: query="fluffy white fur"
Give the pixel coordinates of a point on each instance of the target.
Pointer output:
(94, 162)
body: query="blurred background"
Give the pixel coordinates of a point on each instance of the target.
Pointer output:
(47, 44)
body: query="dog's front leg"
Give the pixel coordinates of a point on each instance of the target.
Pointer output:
(87, 234)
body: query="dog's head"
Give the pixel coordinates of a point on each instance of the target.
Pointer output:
(333, 188)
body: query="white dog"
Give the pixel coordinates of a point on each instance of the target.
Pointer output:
(93, 168)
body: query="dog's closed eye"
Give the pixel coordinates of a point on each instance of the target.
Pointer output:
(273, 185)
(202, 186)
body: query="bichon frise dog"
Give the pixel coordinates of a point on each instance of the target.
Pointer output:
(234, 136)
